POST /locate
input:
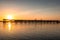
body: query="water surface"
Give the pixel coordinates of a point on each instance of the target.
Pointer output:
(33, 31)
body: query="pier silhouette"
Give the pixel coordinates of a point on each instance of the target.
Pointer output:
(38, 21)
(31, 21)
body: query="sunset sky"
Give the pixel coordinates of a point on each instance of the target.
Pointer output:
(30, 9)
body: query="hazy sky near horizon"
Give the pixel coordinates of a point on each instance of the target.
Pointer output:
(30, 9)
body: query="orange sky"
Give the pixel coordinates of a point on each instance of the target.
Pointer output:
(29, 10)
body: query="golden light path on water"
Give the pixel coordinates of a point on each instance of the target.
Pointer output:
(9, 26)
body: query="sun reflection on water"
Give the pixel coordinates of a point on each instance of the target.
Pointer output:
(9, 26)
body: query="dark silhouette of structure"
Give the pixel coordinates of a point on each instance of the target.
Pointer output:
(31, 21)
(42, 21)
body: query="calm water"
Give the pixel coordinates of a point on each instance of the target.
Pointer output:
(32, 31)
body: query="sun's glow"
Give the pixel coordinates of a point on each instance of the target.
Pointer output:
(9, 17)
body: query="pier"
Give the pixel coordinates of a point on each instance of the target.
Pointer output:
(31, 21)
(38, 21)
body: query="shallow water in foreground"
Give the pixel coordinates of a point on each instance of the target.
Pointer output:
(29, 31)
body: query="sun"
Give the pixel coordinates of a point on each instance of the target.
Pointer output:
(10, 17)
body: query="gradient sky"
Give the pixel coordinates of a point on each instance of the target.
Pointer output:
(30, 9)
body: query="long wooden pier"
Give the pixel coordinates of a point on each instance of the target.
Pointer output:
(42, 21)
(34, 21)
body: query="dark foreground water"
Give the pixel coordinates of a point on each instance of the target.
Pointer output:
(29, 31)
